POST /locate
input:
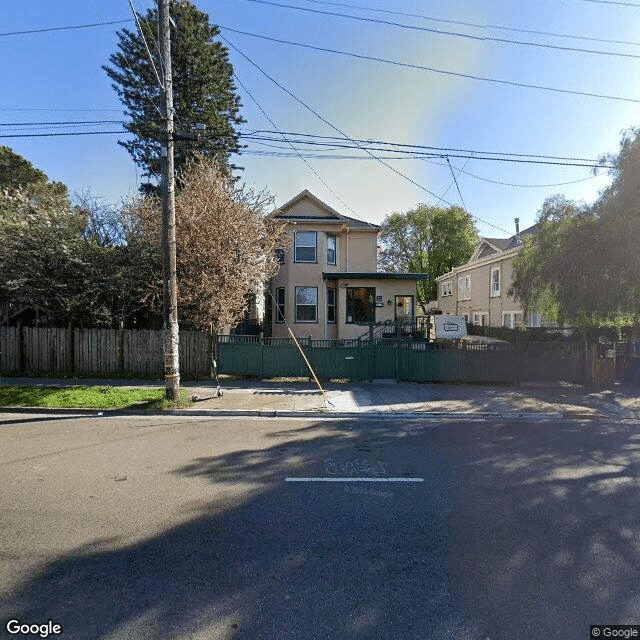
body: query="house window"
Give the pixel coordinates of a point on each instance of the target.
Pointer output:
(507, 320)
(495, 281)
(361, 304)
(331, 249)
(305, 246)
(481, 319)
(280, 304)
(446, 288)
(464, 287)
(280, 255)
(331, 304)
(306, 304)
(534, 320)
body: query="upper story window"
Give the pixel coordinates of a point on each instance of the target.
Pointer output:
(446, 288)
(305, 244)
(331, 248)
(464, 287)
(495, 281)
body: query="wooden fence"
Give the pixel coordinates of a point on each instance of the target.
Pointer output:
(98, 351)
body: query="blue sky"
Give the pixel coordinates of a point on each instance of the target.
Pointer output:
(57, 76)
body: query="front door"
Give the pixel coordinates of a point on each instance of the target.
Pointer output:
(404, 307)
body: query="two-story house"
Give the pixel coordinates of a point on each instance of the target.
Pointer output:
(328, 286)
(478, 290)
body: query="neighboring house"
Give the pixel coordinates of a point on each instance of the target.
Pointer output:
(478, 290)
(328, 286)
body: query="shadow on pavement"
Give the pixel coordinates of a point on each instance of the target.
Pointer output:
(526, 532)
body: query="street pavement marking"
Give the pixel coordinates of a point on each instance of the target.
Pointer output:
(354, 479)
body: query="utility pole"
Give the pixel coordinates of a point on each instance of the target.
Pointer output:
(170, 284)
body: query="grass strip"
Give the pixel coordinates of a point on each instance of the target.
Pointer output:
(94, 397)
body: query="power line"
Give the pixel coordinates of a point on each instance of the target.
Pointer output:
(456, 34)
(320, 117)
(445, 150)
(417, 156)
(54, 109)
(59, 133)
(433, 69)
(67, 28)
(68, 122)
(146, 46)
(623, 4)
(264, 113)
(474, 24)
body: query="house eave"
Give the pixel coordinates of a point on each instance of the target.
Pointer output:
(467, 266)
(374, 275)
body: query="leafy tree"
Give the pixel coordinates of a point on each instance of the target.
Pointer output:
(226, 245)
(52, 263)
(427, 240)
(583, 265)
(203, 90)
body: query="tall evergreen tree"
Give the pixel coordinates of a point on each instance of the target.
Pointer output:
(203, 90)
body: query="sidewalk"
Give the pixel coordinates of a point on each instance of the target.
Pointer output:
(388, 397)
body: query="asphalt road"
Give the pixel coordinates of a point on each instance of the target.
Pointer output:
(177, 528)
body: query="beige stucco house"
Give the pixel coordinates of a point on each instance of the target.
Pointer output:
(478, 290)
(328, 286)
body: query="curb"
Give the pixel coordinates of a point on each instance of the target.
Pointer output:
(276, 413)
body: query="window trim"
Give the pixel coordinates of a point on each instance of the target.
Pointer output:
(315, 306)
(305, 246)
(482, 315)
(371, 307)
(464, 292)
(333, 305)
(280, 306)
(447, 289)
(495, 291)
(335, 248)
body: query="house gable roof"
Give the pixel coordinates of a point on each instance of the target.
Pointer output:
(489, 247)
(295, 211)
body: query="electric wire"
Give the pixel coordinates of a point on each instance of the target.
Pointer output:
(146, 46)
(419, 67)
(264, 113)
(60, 133)
(306, 106)
(398, 145)
(68, 122)
(623, 4)
(475, 25)
(133, 74)
(323, 119)
(455, 34)
(66, 28)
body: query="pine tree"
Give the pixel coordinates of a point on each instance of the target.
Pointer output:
(203, 91)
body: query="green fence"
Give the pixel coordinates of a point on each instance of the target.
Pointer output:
(402, 359)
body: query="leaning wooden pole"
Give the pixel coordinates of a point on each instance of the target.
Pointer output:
(170, 283)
